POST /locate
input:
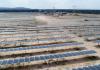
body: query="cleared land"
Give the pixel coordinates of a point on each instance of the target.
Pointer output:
(26, 35)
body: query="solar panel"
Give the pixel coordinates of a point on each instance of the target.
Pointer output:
(10, 62)
(61, 55)
(4, 62)
(22, 60)
(95, 67)
(26, 59)
(38, 47)
(31, 58)
(1, 62)
(97, 41)
(51, 56)
(20, 48)
(98, 66)
(57, 56)
(36, 58)
(45, 57)
(16, 61)
(41, 57)
(11, 42)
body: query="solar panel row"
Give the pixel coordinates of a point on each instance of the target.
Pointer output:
(97, 41)
(23, 36)
(95, 67)
(45, 57)
(34, 40)
(25, 32)
(37, 29)
(39, 47)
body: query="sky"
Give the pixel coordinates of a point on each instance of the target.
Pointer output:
(51, 4)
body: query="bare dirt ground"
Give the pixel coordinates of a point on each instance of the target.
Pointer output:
(75, 20)
(20, 20)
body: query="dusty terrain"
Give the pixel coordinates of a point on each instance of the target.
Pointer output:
(19, 23)
(76, 20)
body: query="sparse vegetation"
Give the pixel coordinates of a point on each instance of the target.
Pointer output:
(71, 41)
(87, 40)
(80, 35)
(92, 58)
(98, 46)
(97, 38)
(86, 20)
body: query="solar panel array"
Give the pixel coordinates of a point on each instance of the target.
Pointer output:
(45, 57)
(88, 31)
(53, 37)
(95, 67)
(34, 40)
(42, 46)
(32, 35)
(25, 32)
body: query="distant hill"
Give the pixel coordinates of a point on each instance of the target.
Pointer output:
(23, 9)
(16, 8)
